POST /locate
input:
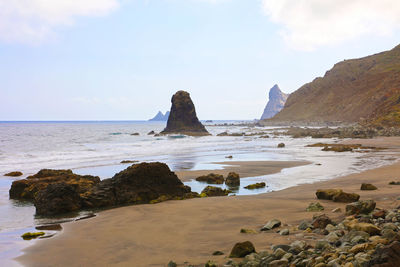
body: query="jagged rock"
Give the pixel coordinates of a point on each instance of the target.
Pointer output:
(160, 116)
(387, 256)
(211, 178)
(256, 186)
(362, 206)
(275, 103)
(14, 174)
(151, 133)
(232, 180)
(29, 187)
(242, 249)
(182, 118)
(212, 191)
(368, 187)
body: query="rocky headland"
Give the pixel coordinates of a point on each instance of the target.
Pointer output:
(276, 102)
(183, 118)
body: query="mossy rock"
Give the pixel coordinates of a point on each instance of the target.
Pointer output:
(29, 235)
(242, 249)
(256, 186)
(368, 187)
(315, 207)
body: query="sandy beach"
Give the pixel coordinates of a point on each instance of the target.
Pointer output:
(191, 230)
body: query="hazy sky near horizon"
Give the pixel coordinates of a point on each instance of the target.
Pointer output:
(124, 59)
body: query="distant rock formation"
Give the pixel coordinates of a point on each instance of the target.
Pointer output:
(276, 102)
(183, 118)
(365, 90)
(160, 116)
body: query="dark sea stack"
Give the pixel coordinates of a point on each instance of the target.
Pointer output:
(138, 184)
(183, 118)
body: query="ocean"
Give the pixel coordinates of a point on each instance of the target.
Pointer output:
(98, 147)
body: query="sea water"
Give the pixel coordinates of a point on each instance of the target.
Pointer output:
(98, 147)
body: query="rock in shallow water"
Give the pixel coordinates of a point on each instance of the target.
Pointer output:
(212, 191)
(211, 178)
(232, 180)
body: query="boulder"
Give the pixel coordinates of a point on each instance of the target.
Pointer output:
(27, 188)
(321, 221)
(211, 178)
(240, 250)
(360, 207)
(213, 191)
(364, 227)
(256, 186)
(232, 180)
(14, 174)
(327, 194)
(56, 199)
(138, 184)
(368, 187)
(271, 225)
(183, 118)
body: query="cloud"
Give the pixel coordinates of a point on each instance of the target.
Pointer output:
(32, 21)
(309, 24)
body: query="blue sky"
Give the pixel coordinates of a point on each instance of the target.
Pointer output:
(123, 60)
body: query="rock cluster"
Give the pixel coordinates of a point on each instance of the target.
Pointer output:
(232, 180)
(337, 195)
(355, 241)
(60, 191)
(182, 118)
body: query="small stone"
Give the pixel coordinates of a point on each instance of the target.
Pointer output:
(368, 187)
(247, 231)
(304, 225)
(279, 263)
(172, 264)
(284, 232)
(337, 210)
(218, 253)
(281, 145)
(242, 249)
(279, 253)
(210, 264)
(321, 221)
(315, 207)
(271, 225)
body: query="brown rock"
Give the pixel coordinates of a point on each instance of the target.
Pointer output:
(13, 174)
(321, 221)
(360, 207)
(346, 197)
(232, 180)
(327, 194)
(368, 187)
(388, 256)
(211, 178)
(241, 250)
(212, 191)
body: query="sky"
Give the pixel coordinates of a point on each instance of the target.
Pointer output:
(124, 59)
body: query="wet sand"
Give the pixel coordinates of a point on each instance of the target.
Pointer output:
(190, 230)
(243, 168)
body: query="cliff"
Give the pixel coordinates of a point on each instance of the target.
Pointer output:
(359, 90)
(275, 103)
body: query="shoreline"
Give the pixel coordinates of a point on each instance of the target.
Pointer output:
(245, 169)
(190, 230)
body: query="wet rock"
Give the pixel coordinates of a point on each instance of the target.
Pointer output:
(256, 186)
(56, 199)
(151, 133)
(232, 180)
(135, 134)
(315, 207)
(211, 178)
(327, 194)
(218, 253)
(138, 184)
(210, 264)
(394, 183)
(28, 188)
(379, 214)
(368, 187)
(271, 225)
(50, 227)
(14, 174)
(321, 221)
(212, 191)
(242, 249)
(183, 118)
(360, 207)
(229, 157)
(281, 145)
(298, 246)
(29, 235)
